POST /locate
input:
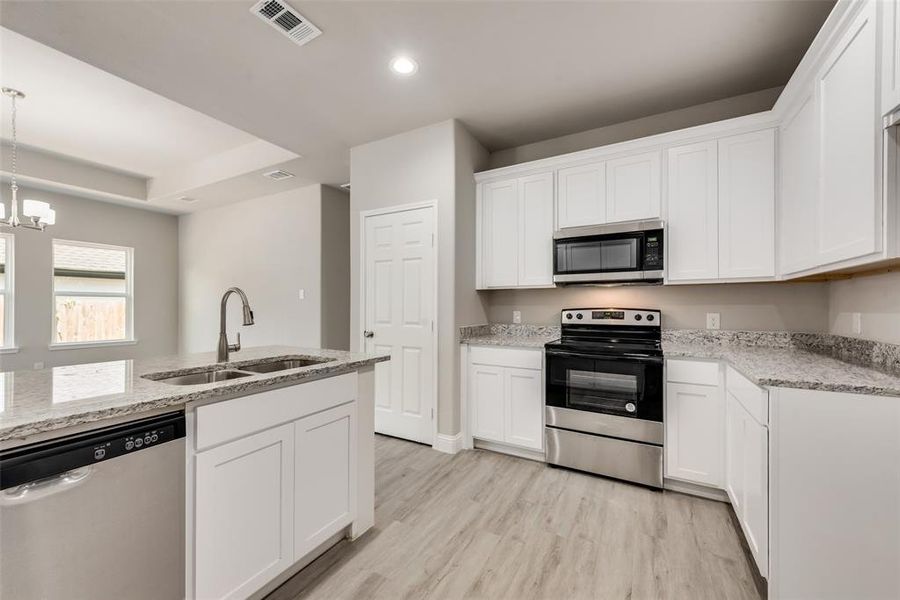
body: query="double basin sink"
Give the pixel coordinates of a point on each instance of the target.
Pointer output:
(215, 374)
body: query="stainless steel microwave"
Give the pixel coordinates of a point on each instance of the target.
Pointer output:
(625, 253)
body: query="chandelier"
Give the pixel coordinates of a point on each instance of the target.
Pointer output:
(38, 212)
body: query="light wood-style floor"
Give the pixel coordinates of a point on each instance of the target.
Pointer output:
(483, 525)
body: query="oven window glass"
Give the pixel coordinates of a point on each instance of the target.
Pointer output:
(589, 256)
(596, 390)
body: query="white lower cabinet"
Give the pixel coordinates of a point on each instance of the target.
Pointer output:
(270, 487)
(694, 433)
(505, 396)
(324, 476)
(747, 477)
(244, 514)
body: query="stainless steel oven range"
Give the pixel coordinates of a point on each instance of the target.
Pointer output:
(604, 395)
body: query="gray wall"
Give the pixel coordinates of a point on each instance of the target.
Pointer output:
(335, 268)
(154, 237)
(700, 114)
(268, 246)
(750, 306)
(876, 298)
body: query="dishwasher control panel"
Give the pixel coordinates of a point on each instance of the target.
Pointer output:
(46, 459)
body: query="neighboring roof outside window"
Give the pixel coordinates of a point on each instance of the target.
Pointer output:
(86, 261)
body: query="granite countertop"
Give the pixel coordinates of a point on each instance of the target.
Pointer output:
(504, 334)
(49, 399)
(787, 365)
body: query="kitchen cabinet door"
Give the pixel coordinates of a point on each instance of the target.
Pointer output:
(849, 215)
(755, 510)
(735, 425)
(798, 205)
(524, 405)
(500, 215)
(582, 196)
(535, 229)
(325, 476)
(890, 56)
(692, 212)
(486, 397)
(243, 514)
(747, 205)
(633, 187)
(695, 422)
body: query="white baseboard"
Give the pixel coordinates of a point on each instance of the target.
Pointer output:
(512, 450)
(450, 444)
(694, 489)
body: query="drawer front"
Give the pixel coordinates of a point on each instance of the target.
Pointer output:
(500, 356)
(752, 397)
(232, 419)
(693, 372)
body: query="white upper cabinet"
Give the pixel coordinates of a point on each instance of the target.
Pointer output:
(516, 232)
(633, 187)
(693, 213)
(582, 196)
(799, 189)
(849, 223)
(500, 209)
(536, 230)
(747, 205)
(890, 56)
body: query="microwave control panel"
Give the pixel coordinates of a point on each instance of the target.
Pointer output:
(653, 250)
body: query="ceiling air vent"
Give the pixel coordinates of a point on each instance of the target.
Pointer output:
(278, 175)
(286, 20)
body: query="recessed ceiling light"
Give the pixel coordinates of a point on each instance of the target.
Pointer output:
(404, 65)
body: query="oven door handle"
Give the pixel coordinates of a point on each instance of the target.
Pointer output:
(626, 357)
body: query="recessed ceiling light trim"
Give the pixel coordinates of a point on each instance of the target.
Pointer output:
(404, 65)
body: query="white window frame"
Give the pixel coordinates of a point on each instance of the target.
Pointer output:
(9, 294)
(128, 295)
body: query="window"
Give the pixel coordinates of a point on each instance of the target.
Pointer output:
(6, 290)
(92, 293)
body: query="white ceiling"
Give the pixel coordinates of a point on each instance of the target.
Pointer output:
(513, 72)
(75, 109)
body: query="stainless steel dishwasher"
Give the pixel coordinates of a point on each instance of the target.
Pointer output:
(97, 515)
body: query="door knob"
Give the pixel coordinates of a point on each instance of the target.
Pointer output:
(368, 334)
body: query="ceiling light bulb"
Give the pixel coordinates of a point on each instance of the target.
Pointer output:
(404, 65)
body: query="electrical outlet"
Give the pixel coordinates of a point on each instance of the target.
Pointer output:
(857, 323)
(713, 320)
(517, 316)
(38, 366)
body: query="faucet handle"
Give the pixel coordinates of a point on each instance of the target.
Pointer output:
(235, 347)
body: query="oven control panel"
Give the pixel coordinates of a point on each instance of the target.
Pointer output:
(611, 316)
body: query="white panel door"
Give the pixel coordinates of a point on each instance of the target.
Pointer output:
(633, 187)
(243, 517)
(399, 316)
(747, 205)
(581, 198)
(524, 423)
(735, 432)
(799, 143)
(695, 433)
(535, 228)
(693, 212)
(486, 394)
(325, 476)
(849, 222)
(500, 210)
(756, 491)
(890, 56)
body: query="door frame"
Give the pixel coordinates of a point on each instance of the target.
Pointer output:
(435, 333)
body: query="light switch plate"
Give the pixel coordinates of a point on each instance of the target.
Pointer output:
(713, 320)
(38, 366)
(517, 316)
(301, 294)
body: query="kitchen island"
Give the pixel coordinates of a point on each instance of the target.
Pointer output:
(278, 449)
